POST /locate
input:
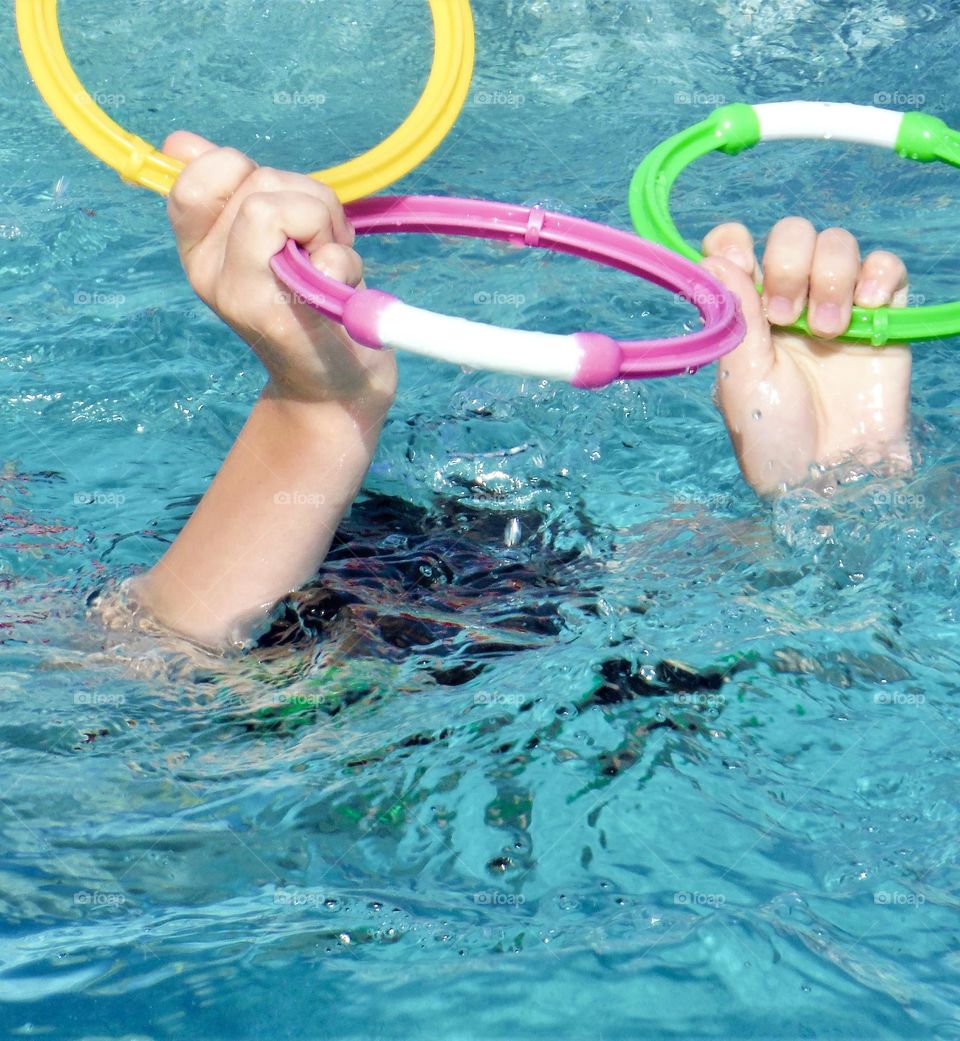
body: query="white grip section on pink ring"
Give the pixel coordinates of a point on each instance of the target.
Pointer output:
(479, 346)
(828, 121)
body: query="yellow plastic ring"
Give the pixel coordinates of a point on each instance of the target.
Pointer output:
(139, 162)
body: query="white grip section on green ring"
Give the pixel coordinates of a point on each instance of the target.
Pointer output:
(478, 345)
(828, 121)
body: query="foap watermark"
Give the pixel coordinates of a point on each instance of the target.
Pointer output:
(94, 498)
(98, 898)
(898, 697)
(103, 98)
(897, 898)
(902, 500)
(288, 298)
(508, 98)
(495, 299)
(489, 698)
(688, 898)
(699, 699)
(83, 297)
(899, 97)
(93, 697)
(703, 298)
(314, 499)
(494, 898)
(709, 500)
(302, 98)
(300, 700)
(698, 97)
(298, 898)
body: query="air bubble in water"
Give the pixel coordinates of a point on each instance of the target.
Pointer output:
(511, 533)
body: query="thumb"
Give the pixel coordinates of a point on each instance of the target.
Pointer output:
(183, 145)
(752, 360)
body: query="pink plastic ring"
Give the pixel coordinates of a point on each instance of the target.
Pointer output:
(378, 319)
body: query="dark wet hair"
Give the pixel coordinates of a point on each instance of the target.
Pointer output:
(438, 582)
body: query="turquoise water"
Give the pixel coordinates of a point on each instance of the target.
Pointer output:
(574, 737)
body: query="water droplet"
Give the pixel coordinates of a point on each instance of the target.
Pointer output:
(757, 414)
(724, 374)
(512, 532)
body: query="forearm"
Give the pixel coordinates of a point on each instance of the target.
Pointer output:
(267, 519)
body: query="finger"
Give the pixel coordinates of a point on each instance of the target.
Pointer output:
(752, 359)
(266, 180)
(208, 257)
(836, 268)
(201, 192)
(264, 222)
(185, 146)
(339, 262)
(882, 277)
(787, 262)
(735, 243)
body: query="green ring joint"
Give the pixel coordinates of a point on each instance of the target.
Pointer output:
(926, 138)
(734, 128)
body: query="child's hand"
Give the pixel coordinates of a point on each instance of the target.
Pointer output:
(791, 401)
(230, 217)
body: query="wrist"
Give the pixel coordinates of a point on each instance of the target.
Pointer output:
(358, 419)
(368, 394)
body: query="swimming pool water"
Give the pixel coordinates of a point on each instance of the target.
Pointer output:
(573, 737)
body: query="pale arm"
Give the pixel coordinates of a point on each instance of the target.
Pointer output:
(266, 522)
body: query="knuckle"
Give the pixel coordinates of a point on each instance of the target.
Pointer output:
(839, 238)
(323, 216)
(202, 181)
(258, 208)
(727, 236)
(829, 282)
(785, 270)
(235, 158)
(327, 194)
(883, 261)
(330, 197)
(265, 179)
(794, 226)
(187, 192)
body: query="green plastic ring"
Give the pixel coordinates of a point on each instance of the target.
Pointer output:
(733, 128)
